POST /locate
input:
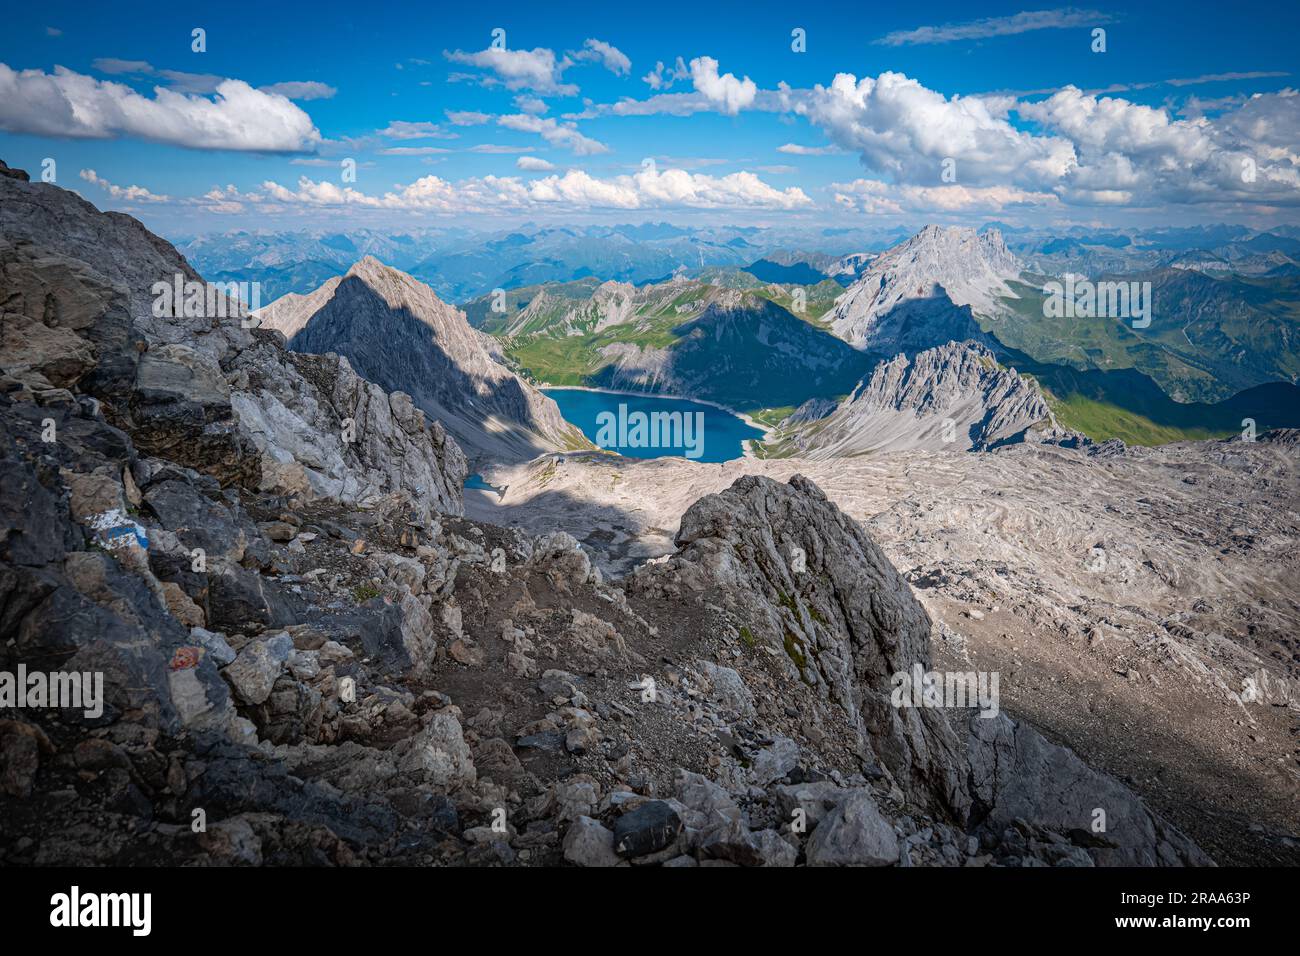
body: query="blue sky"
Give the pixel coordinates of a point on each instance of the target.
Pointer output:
(953, 112)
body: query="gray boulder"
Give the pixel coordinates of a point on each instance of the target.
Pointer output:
(854, 834)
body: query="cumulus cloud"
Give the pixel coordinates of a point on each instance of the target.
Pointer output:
(227, 200)
(1134, 153)
(576, 189)
(530, 104)
(730, 94)
(71, 105)
(1082, 148)
(880, 198)
(467, 117)
(902, 128)
(1024, 22)
(611, 57)
(128, 193)
(661, 79)
(537, 69)
(534, 164)
(564, 135)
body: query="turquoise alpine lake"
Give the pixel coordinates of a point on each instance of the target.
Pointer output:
(647, 426)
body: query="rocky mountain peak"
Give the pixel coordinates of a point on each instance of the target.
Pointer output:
(954, 397)
(396, 331)
(926, 290)
(370, 268)
(202, 391)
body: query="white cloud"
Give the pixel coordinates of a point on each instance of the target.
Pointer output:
(678, 187)
(206, 83)
(575, 189)
(467, 117)
(534, 164)
(1060, 19)
(611, 57)
(1134, 153)
(499, 149)
(227, 200)
(412, 150)
(564, 135)
(670, 104)
(536, 70)
(659, 79)
(879, 198)
(730, 94)
(128, 193)
(531, 104)
(301, 90)
(72, 105)
(401, 129)
(906, 130)
(1082, 149)
(794, 149)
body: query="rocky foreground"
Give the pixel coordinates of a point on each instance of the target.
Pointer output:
(1140, 604)
(310, 656)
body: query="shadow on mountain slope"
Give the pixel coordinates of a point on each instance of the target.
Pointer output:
(395, 349)
(1272, 405)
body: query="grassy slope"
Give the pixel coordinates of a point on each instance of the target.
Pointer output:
(1108, 380)
(1100, 376)
(541, 349)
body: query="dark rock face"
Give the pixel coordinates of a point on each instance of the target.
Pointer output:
(1017, 776)
(397, 333)
(647, 829)
(806, 578)
(846, 623)
(78, 292)
(66, 606)
(741, 345)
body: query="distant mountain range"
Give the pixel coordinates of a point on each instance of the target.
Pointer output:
(461, 264)
(751, 319)
(1211, 338)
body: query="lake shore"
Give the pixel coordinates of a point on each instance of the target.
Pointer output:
(748, 452)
